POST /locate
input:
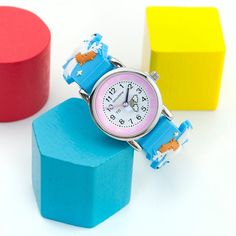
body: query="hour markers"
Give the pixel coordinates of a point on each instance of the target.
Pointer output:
(125, 109)
(112, 91)
(139, 90)
(138, 117)
(112, 117)
(122, 121)
(143, 108)
(110, 107)
(124, 104)
(109, 99)
(130, 86)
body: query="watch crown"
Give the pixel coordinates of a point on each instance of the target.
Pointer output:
(155, 76)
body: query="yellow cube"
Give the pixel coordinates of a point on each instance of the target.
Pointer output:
(185, 45)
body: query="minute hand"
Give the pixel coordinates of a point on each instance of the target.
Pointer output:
(127, 95)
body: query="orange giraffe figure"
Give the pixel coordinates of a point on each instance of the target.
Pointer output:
(171, 145)
(83, 58)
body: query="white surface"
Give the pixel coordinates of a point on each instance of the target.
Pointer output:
(195, 195)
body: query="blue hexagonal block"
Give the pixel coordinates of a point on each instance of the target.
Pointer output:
(80, 175)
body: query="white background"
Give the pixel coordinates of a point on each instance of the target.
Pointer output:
(194, 195)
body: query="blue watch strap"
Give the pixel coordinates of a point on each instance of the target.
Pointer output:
(89, 63)
(163, 139)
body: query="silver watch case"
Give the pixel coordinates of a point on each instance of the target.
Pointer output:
(151, 79)
(152, 83)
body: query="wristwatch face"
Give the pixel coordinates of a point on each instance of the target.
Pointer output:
(125, 104)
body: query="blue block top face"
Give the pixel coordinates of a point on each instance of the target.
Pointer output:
(68, 133)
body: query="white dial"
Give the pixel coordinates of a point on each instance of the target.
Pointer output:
(125, 104)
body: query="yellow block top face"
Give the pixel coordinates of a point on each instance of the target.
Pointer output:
(185, 29)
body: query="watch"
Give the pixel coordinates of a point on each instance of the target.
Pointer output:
(125, 103)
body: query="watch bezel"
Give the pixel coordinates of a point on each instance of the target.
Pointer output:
(152, 83)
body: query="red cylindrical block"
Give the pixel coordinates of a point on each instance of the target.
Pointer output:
(24, 63)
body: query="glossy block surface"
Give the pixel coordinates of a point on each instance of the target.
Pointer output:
(186, 46)
(80, 175)
(24, 63)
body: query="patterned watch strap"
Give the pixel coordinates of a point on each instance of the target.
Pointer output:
(89, 63)
(163, 140)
